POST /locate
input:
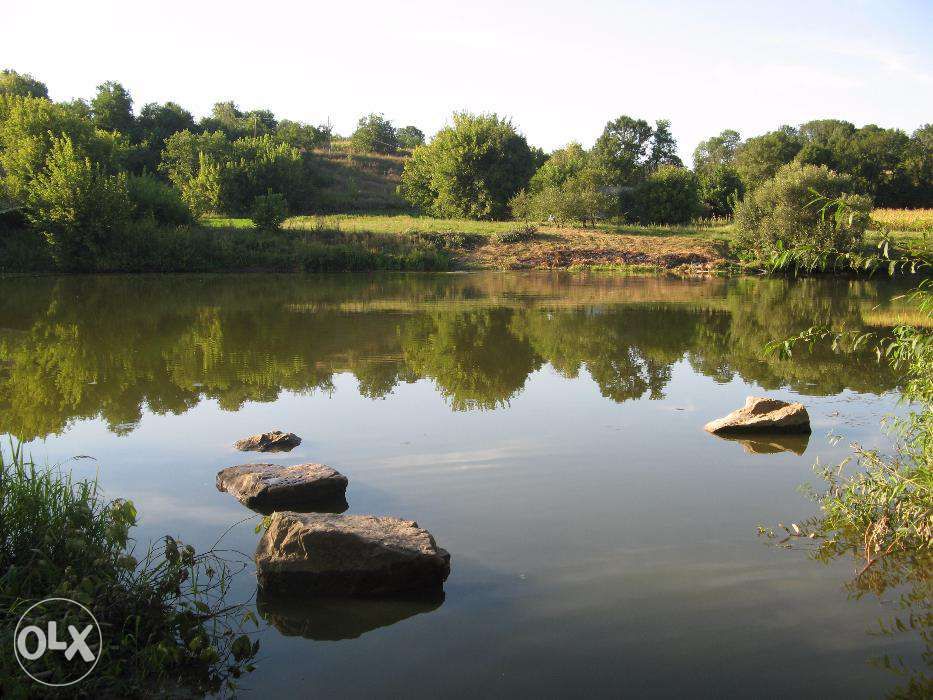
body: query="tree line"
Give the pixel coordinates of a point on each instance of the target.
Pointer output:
(80, 173)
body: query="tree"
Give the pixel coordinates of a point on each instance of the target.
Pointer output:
(78, 207)
(302, 136)
(622, 150)
(567, 187)
(22, 84)
(410, 137)
(269, 211)
(112, 108)
(663, 146)
(782, 214)
(374, 134)
(759, 158)
(720, 188)
(918, 166)
(28, 126)
(669, 195)
(157, 122)
(471, 169)
(716, 150)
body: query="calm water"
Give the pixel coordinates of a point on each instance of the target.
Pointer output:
(547, 429)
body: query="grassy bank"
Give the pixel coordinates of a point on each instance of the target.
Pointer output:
(235, 246)
(162, 617)
(402, 242)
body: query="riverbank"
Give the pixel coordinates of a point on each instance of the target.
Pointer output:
(371, 242)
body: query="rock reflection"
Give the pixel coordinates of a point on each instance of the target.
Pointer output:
(334, 619)
(770, 444)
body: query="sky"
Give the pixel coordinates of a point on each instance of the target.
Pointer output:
(559, 70)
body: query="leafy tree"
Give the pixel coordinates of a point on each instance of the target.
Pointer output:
(201, 190)
(374, 134)
(410, 137)
(720, 188)
(782, 213)
(716, 150)
(78, 207)
(154, 199)
(567, 187)
(157, 122)
(471, 169)
(112, 108)
(269, 211)
(302, 136)
(22, 84)
(669, 195)
(918, 165)
(28, 126)
(623, 150)
(181, 155)
(663, 146)
(759, 158)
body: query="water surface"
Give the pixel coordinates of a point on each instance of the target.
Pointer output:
(547, 429)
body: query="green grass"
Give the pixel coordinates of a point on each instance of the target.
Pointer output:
(163, 618)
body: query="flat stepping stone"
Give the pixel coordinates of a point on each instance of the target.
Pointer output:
(273, 441)
(761, 415)
(349, 555)
(270, 486)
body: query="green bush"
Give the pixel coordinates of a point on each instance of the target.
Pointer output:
(374, 134)
(470, 169)
(519, 235)
(164, 617)
(782, 213)
(157, 200)
(269, 211)
(567, 187)
(78, 208)
(720, 189)
(669, 195)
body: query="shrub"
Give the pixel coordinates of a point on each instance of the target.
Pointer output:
(519, 235)
(720, 189)
(269, 211)
(157, 200)
(164, 617)
(669, 195)
(374, 134)
(783, 213)
(410, 137)
(77, 207)
(470, 169)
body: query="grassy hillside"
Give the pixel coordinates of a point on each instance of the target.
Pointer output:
(359, 183)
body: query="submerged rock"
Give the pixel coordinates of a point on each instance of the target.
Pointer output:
(268, 486)
(273, 441)
(326, 618)
(349, 555)
(763, 415)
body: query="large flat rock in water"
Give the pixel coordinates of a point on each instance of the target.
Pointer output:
(270, 486)
(273, 441)
(761, 415)
(350, 555)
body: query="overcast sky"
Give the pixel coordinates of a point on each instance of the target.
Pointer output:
(560, 70)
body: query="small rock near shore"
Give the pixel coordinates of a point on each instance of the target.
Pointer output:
(269, 486)
(351, 555)
(273, 441)
(763, 415)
